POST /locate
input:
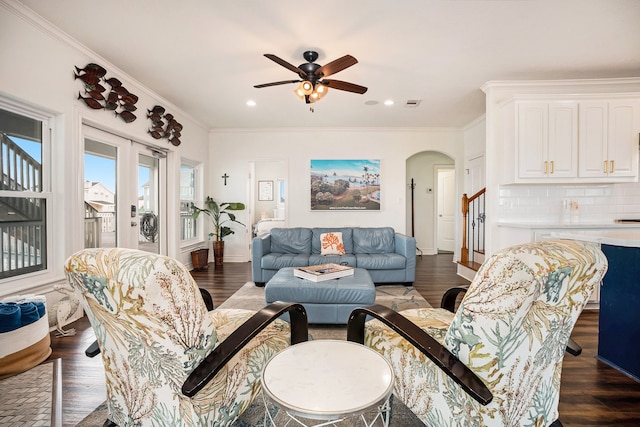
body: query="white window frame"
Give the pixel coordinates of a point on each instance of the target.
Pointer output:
(198, 199)
(23, 282)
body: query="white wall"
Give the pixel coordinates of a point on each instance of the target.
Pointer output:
(475, 144)
(37, 69)
(232, 150)
(475, 137)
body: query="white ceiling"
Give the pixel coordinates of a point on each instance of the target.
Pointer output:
(204, 56)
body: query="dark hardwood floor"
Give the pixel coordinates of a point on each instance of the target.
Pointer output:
(592, 393)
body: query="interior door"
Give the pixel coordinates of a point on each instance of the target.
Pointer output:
(123, 181)
(446, 209)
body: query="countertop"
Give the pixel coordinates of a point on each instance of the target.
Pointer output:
(571, 225)
(627, 238)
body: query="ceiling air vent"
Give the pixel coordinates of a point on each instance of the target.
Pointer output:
(412, 103)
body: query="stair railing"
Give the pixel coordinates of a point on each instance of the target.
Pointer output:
(473, 216)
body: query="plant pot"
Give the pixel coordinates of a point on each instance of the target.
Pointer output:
(200, 259)
(218, 253)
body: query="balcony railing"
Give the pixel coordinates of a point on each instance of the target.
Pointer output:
(92, 232)
(19, 171)
(23, 238)
(187, 226)
(23, 246)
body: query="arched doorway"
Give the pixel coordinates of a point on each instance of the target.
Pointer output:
(431, 207)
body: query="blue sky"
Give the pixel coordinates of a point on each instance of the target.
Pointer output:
(100, 169)
(344, 167)
(34, 149)
(103, 170)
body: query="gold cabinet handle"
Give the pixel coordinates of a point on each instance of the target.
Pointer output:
(546, 167)
(612, 166)
(552, 167)
(606, 166)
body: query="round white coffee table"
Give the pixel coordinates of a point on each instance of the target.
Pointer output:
(328, 380)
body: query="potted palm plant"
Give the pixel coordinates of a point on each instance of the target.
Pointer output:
(220, 214)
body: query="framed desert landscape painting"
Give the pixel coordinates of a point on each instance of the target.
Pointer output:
(340, 185)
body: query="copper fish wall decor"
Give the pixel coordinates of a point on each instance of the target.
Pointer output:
(118, 99)
(164, 125)
(92, 69)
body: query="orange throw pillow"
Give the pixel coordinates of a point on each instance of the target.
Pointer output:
(331, 244)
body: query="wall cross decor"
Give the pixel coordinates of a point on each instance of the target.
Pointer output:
(225, 176)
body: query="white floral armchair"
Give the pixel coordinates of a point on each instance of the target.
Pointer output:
(498, 360)
(167, 360)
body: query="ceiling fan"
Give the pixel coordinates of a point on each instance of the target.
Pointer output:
(313, 85)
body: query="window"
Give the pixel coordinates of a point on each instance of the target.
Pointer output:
(24, 191)
(189, 184)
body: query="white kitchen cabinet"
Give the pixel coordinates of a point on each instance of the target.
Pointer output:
(608, 143)
(547, 140)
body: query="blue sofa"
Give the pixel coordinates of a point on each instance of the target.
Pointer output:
(389, 257)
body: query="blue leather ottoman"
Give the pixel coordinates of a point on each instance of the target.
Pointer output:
(330, 301)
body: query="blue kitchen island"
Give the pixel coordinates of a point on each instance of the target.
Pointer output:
(619, 318)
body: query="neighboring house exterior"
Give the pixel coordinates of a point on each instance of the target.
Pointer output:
(102, 200)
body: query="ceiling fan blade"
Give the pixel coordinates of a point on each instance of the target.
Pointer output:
(340, 85)
(277, 83)
(284, 63)
(335, 66)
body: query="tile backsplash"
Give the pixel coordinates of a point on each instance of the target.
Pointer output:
(579, 204)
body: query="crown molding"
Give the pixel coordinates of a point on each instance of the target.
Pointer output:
(32, 18)
(624, 84)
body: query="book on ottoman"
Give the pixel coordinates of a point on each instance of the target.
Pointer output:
(322, 272)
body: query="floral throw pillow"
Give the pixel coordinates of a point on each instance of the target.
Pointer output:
(331, 244)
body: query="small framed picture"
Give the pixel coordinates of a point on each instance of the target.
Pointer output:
(265, 190)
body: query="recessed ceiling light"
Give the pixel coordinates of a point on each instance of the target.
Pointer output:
(251, 103)
(371, 102)
(388, 102)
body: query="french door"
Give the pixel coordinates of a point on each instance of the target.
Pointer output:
(123, 182)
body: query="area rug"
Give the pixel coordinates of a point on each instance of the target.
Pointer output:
(251, 297)
(32, 398)
(397, 297)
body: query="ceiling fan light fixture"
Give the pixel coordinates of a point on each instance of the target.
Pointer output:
(321, 90)
(312, 88)
(306, 87)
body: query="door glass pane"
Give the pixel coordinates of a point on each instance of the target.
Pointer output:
(100, 204)
(148, 204)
